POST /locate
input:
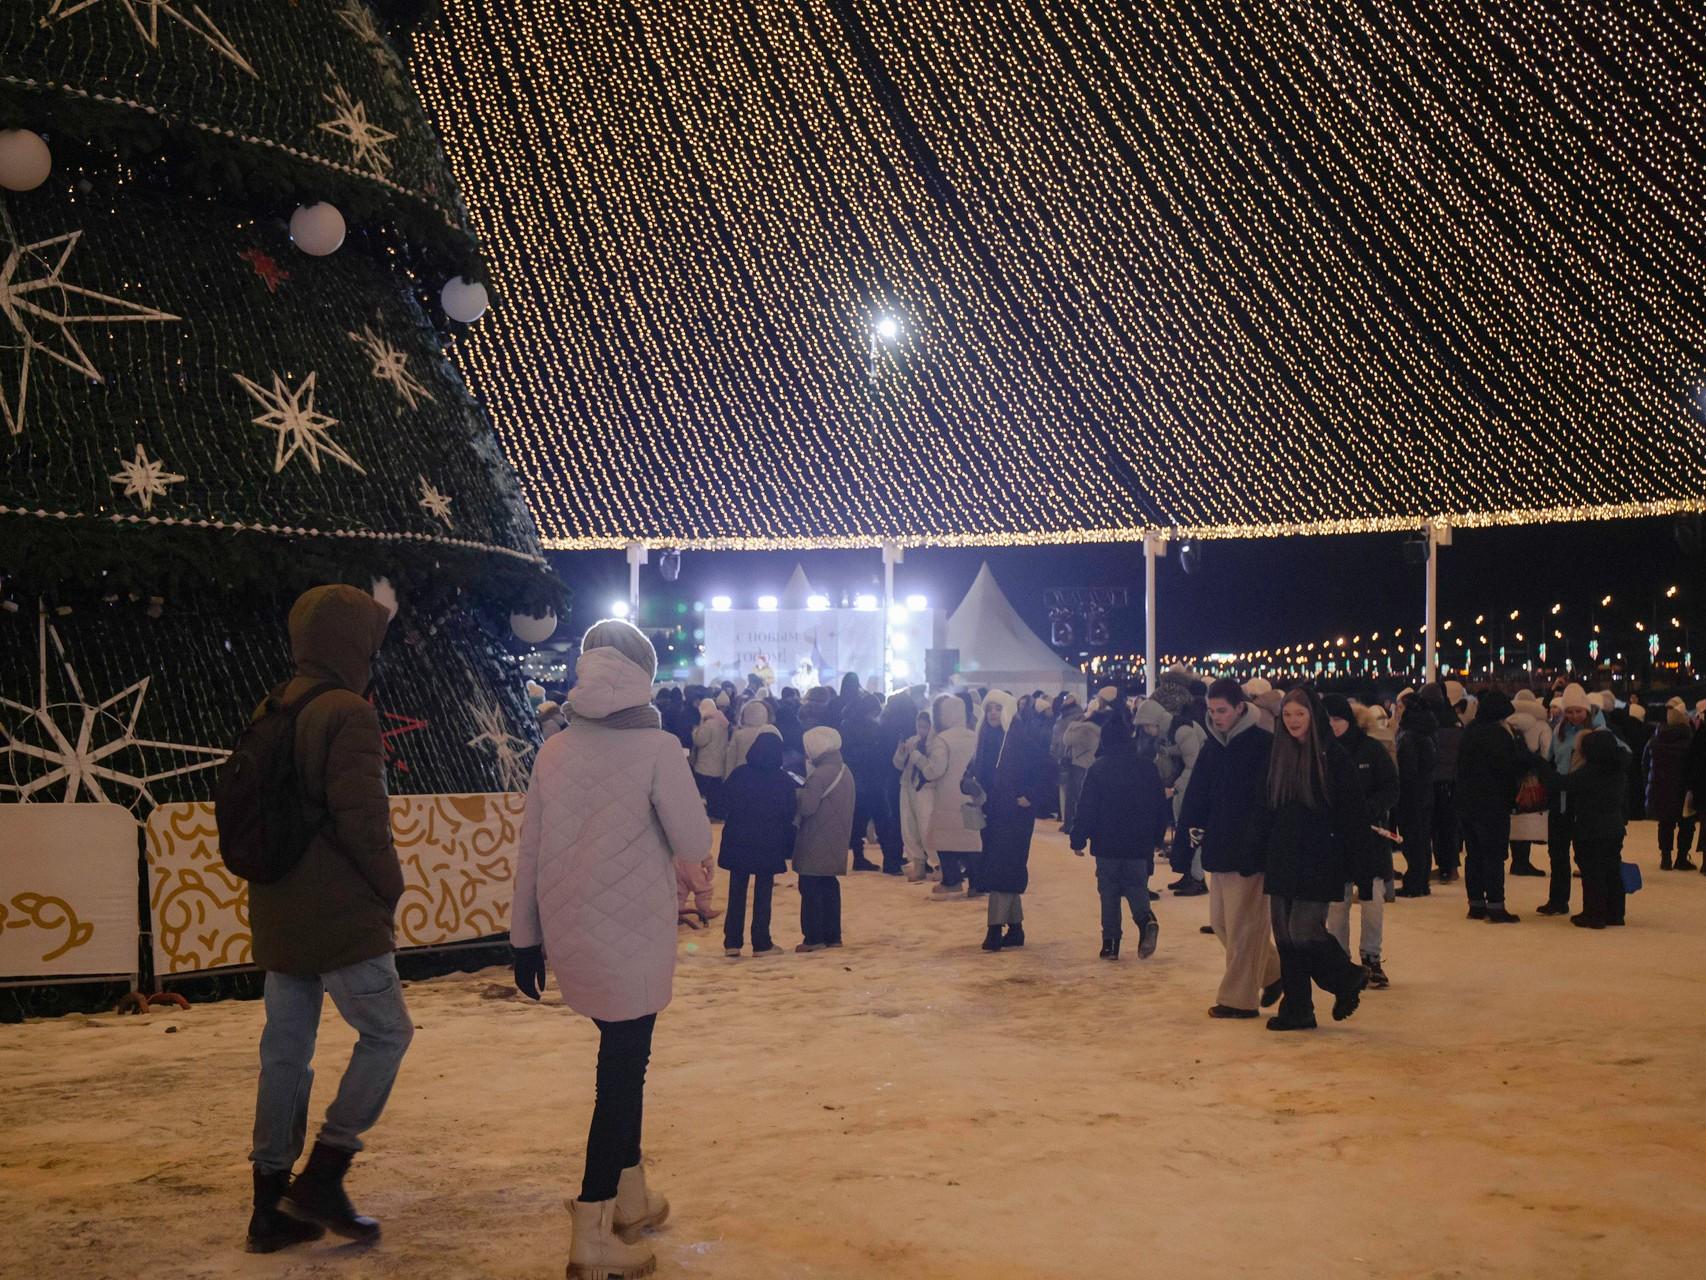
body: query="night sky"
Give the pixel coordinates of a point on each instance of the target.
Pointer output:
(1245, 595)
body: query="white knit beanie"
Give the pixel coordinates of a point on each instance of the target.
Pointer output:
(821, 741)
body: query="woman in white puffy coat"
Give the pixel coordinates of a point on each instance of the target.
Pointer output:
(611, 809)
(917, 798)
(948, 837)
(1529, 829)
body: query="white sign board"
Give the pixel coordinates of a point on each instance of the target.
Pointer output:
(67, 890)
(801, 647)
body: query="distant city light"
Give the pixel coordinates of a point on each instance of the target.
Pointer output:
(864, 602)
(817, 603)
(619, 609)
(888, 328)
(767, 603)
(721, 604)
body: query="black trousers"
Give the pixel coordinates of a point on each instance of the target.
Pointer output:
(1682, 832)
(613, 1142)
(1123, 881)
(734, 919)
(1448, 840)
(820, 910)
(1560, 832)
(871, 808)
(1602, 879)
(1308, 954)
(1485, 840)
(888, 826)
(1417, 835)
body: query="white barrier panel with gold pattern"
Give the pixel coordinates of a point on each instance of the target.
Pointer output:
(67, 890)
(458, 856)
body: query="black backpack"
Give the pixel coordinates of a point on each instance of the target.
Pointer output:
(264, 825)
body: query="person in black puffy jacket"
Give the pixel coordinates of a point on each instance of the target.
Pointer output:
(1122, 815)
(1314, 827)
(758, 840)
(1418, 761)
(1598, 795)
(1378, 779)
(1491, 764)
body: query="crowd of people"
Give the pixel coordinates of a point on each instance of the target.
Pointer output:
(1283, 807)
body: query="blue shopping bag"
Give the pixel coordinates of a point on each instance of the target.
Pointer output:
(1631, 878)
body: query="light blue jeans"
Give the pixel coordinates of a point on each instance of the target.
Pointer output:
(369, 997)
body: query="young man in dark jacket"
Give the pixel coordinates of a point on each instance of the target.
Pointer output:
(1379, 779)
(327, 928)
(1122, 815)
(1221, 813)
(862, 748)
(1491, 764)
(1418, 762)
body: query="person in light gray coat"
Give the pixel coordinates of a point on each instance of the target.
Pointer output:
(825, 807)
(1078, 746)
(754, 720)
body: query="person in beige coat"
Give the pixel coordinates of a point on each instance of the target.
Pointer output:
(950, 836)
(917, 798)
(611, 810)
(825, 806)
(754, 720)
(709, 755)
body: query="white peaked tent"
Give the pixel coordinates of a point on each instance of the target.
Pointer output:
(997, 648)
(798, 591)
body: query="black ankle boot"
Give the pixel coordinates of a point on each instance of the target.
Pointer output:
(1664, 862)
(269, 1229)
(1015, 936)
(1110, 949)
(318, 1195)
(1684, 863)
(992, 939)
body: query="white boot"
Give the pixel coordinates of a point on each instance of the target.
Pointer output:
(597, 1253)
(638, 1208)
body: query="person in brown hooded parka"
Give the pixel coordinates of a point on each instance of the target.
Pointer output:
(327, 928)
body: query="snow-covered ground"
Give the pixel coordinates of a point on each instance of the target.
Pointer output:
(1523, 1101)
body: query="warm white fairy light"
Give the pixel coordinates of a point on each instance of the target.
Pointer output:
(1288, 272)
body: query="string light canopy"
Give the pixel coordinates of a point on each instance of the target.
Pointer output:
(785, 274)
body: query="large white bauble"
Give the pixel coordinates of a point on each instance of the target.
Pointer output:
(533, 630)
(385, 595)
(317, 229)
(25, 160)
(463, 299)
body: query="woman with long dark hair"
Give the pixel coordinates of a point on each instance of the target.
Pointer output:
(1314, 829)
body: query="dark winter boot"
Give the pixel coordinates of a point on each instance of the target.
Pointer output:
(1496, 914)
(1110, 949)
(1377, 978)
(318, 1196)
(1346, 1002)
(1015, 936)
(1192, 889)
(1477, 910)
(862, 863)
(992, 939)
(1684, 863)
(269, 1229)
(1150, 936)
(1271, 994)
(1664, 861)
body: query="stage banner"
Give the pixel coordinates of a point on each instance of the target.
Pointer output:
(67, 890)
(801, 647)
(458, 856)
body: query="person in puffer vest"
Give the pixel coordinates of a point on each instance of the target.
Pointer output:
(611, 811)
(327, 928)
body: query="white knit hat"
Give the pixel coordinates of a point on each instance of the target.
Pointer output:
(1605, 700)
(1455, 693)
(1574, 696)
(1256, 686)
(1527, 700)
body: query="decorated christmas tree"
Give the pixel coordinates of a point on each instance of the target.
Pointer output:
(231, 259)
